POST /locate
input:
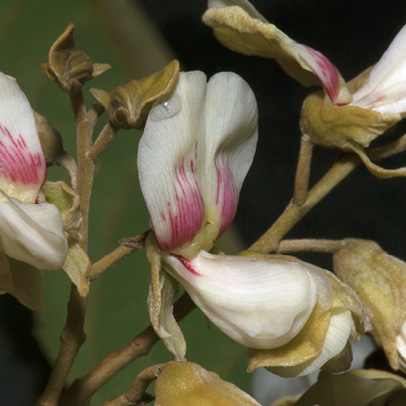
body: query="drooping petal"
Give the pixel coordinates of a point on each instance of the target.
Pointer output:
(239, 27)
(33, 233)
(385, 89)
(231, 133)
(167, 162)
(259, 303)
(22, 162)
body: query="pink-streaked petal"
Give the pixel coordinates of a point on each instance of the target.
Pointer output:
(240, 27)
(33, 233)
(324, 70)
(385, 89)
(22, 162)
(167, 162)
(231, 132)
(260, 303)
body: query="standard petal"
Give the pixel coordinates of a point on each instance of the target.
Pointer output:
(385, 89)
(167, 161)
(22, 162)
(33, 233)
(239, 27)
(259, 303)
(231, 133)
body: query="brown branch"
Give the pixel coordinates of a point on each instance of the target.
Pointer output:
(72, 338)
(81, 391)
(105, 137)
(303, 171)
(310, 245)
(127, 247)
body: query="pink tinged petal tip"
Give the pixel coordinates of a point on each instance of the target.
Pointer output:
(322, 68)
(185, 214)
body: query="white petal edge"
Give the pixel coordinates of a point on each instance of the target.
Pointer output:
(259, 303)
(231, 134)
(336, 339)
(33, 233)
(385, 89)
(22, 162)
(401, 347)
(167, 155)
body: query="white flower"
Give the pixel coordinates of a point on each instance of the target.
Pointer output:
(270, 305)
(196, 149)
(31, 230)
(257, 302)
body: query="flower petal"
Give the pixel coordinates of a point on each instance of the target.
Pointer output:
(193, 157)
(239, 27)
(231, 133)
(22, 162)
(33, 233)
(26, 284)
(385, 89)
(336, 338)
(167, 161)
(259, 303)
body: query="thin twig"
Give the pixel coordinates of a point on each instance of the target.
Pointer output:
(127, 247)
(72, 338)
(81, 391)
(303, 171)
(137, 390)
(310, 245)
(269, 241)
(105, 137)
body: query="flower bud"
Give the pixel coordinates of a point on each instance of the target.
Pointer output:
(187, 384)
(68, 66)
(380, 281)
(51, 140)
(128, 106)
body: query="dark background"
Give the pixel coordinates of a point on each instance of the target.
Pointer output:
(353, 34)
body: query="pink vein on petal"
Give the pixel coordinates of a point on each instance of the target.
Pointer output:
(323, 69)
(186, 213)
(187, 263)
(17, 163)
(226, 194)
